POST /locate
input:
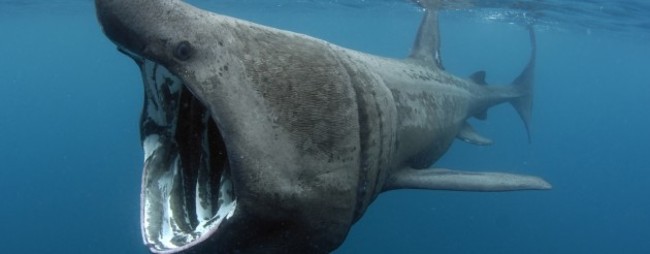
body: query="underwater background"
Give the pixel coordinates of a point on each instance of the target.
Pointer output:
(71, 157)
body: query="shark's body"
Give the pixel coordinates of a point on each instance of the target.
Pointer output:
(259, 140)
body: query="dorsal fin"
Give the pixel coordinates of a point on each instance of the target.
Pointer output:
(426, 48)
(478, 77)
(429, 4)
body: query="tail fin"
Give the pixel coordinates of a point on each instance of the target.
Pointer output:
(524, 83)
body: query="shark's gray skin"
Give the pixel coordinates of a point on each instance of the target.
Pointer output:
(259, 140)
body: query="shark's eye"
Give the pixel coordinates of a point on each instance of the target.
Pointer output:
(183, 51)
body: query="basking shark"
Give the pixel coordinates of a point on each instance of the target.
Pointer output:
(259, 140)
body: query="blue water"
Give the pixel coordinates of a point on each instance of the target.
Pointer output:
(71, 158)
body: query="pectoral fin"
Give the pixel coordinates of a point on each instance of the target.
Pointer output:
(469, 135)
(446, 179)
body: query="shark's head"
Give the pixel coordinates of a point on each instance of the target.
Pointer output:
(241, 153)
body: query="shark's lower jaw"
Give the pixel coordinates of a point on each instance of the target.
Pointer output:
(187, 192)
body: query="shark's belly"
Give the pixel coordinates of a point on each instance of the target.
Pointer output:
(429, 118)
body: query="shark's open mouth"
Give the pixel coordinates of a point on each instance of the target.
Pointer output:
(187, 190)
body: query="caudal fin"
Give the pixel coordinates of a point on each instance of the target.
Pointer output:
(524, 84)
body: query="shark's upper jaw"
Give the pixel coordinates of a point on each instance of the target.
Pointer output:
(187, 190)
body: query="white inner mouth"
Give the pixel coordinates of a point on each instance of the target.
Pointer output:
(187, 191)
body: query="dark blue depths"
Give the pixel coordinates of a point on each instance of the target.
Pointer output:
(71, 159)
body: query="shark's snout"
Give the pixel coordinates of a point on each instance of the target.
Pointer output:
(115, 24)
